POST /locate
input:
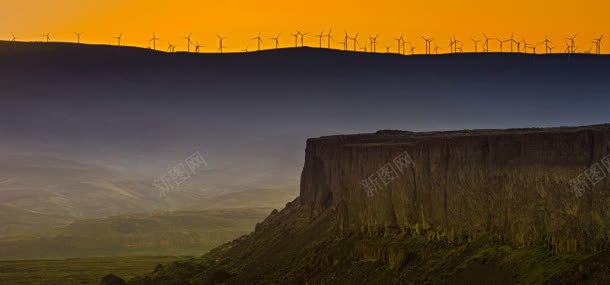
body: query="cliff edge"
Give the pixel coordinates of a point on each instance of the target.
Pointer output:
(519, 206)
(528, 187)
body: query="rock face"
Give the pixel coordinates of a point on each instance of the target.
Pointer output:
(527, 187)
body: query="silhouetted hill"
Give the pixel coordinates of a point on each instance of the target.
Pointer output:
(138, 113)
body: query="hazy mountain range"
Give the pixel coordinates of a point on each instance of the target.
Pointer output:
(85, 130)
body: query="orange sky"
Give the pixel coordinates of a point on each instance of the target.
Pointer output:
(241, 20)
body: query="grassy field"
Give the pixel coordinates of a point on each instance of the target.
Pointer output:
(78, 270)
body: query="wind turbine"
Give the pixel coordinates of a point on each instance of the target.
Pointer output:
(303, 39)
(197, 47)
(258, 41)
(546, 44)
(572, 47)
(355, 39)
(221, 40)
(476, 42)
(598, 44)
(47, 36)
(452, 44)
(524, 45)
(398, 40)
(486, 43)
(512, 41)
(404, 45)
(455, 46)
(14, 38)
(277, 41)
(188, 42)
(374, 42)
(296, 38)
(321, 37)
(428, 44)
(534, 47)
(119, 38)
(78, 37)
(154, 41)
(435, 49)
(387, 49)
(502, 44)
(170, 47)
(329, 36)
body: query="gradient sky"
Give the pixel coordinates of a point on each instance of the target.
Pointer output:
(241, 20)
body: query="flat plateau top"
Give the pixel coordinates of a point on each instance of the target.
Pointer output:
(406, 136)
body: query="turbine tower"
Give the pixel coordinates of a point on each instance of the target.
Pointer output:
(171, 47)
(154, 41)
(296, 38)
(329, 36)
(303, 39)
(398, 41)
(486, 43)
(534, 47)
(598, 44)
(452, 44)
(525, 45)
(435, 50)
(572, 47)
(220, 43)
(188, 42)
(546, 44)
(119, 38)
(14, 38)
(374, 43)
(404, 45)
(47, 36)
(258, 41)
(502, 44)
(321, 37)
(476, 42)
(277, 41)
(355, 39)
(513, 41)
(78, 37)
(428, 44)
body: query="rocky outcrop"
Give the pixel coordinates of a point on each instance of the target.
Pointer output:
(527, 187)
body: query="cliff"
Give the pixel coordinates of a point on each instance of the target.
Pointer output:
(521, 206)
(517, 186)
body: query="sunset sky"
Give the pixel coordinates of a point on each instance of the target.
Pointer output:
(241, 20)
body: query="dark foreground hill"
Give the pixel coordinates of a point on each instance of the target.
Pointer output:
(464, 207)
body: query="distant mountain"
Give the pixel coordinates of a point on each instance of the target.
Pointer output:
(38, 193)
(51, 186)
(121, 117)
(18, 221)
(172, 233)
